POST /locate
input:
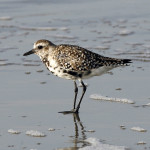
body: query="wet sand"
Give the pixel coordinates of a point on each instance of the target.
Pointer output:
(31, 97)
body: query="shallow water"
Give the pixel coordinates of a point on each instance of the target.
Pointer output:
(30, 96)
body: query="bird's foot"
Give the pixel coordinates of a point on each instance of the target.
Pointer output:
(70, 112)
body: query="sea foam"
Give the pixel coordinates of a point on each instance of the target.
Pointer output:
(97, 145)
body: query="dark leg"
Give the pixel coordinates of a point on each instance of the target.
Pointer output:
(83, 92)
(75, 97)
(76, 93)
(76, 110)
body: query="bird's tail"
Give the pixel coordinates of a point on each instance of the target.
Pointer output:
(126, 61)
(118, 62)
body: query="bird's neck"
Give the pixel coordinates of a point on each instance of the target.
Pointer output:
(43, 57)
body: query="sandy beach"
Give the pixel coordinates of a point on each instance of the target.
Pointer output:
(114, 114)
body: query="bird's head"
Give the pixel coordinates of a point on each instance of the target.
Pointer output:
(41, 47)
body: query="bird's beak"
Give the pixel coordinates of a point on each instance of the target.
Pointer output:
(29, 52)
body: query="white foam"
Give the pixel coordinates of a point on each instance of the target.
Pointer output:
(6, 18)
(139, 129)
(42, 28)
(90, 130)
(121, 100)
(51, 129)
(102, 47)
(35, 133)
(97, 145)
(125, 32)
(141, 142)
(146, 46)
(148, 104)
(13, 131)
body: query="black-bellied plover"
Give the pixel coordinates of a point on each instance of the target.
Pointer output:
(74, 63)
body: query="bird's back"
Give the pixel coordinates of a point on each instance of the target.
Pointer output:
(82, 63)
(80, 59)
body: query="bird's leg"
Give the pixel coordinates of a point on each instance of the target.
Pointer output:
(76, 93)
(76, 109)
(83, 92)
(75, 98)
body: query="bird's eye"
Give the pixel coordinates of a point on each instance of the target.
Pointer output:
(40, 47)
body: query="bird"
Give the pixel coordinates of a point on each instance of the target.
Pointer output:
(74, 63)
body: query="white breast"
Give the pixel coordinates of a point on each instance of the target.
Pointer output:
(55, 69)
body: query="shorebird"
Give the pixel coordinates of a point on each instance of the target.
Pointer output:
(74, 63)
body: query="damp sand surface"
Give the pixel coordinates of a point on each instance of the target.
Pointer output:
(31, 97)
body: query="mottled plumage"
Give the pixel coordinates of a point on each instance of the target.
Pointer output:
(74, 62)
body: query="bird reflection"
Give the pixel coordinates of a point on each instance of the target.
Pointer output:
(80, 136)
(78, 126)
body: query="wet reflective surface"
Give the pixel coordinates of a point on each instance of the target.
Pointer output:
(31, 97)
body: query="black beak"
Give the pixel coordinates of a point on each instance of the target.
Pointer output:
(29, 53)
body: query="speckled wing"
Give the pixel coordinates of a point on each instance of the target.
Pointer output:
(76, 58)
